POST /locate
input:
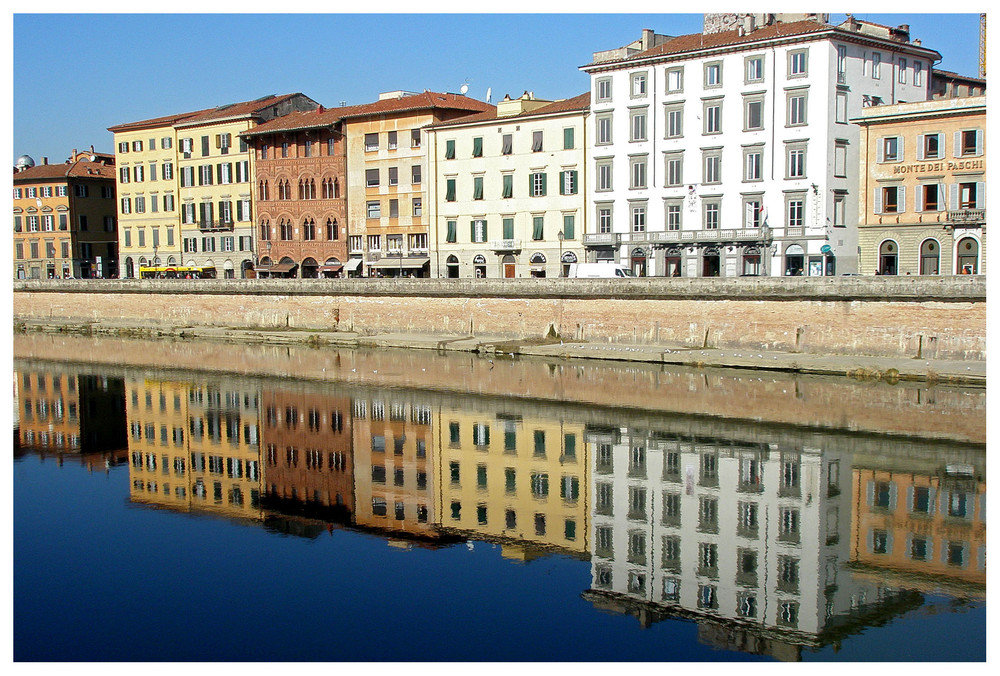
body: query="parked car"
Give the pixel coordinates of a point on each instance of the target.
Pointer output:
(599, 270)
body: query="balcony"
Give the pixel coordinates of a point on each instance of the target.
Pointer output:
(505, 245)
(220, 225)
(710, 236)
(967, 216)
(601, 239)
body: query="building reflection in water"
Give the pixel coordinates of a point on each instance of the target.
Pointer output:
(771, 540)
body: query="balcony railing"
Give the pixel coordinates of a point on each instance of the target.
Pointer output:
(216, 225)
(601, 239)
(680, 236)
(967, 216)
(506, 245)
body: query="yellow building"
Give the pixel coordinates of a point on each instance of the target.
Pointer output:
(50, 411)
(195, 447)
(521, 480)
(923, 188)
(387, 178)
(64, 217)
(147, 183)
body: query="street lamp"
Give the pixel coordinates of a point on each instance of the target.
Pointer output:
(561, 236)
(155, 262)
(269, 261)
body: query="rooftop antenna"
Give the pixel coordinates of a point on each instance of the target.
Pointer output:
(464, 89)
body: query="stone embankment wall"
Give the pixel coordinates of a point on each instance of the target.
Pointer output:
(934, 318)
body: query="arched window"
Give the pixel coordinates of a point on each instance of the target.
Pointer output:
(331, 230)
(301, 193)
(930, 257)
(336, 188)
(265, 229)
(309, 229)
(286, 230)
(888, 258)
(262, 191)
(311, 189)
(968, 257)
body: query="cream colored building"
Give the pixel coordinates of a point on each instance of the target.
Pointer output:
(923, 188)
(518, 479)
(507, 198)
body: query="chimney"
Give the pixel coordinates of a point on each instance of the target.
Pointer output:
(45, 160)
(74, 153)
(647, 38)
(91, 147)
(320, 109)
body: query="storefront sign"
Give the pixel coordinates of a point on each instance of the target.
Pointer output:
(959, 165)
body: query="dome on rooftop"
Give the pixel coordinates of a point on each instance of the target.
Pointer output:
(24, 162)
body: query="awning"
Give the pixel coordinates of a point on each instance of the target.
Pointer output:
(330, 268)
(352, 264)
(277, 267)
(405, 263)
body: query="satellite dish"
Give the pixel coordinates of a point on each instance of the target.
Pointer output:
(464, 89)
(489, 94)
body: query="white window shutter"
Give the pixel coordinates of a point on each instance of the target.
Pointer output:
(981, 195)
(920, 147)
(979, 142)
(918, 199)
(956, 151)
(878, 200)
(901, 197)
(953, 197)
(901, 144)
(880, 151)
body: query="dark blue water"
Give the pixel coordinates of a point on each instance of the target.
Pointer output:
(104, 572)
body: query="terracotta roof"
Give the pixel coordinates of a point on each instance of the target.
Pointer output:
(698, 41)
(957, 76)
(77, 169)
(577, 103)
(165, 121)
(242, 109)
(313, 119)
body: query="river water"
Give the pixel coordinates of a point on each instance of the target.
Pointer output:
(182, 501)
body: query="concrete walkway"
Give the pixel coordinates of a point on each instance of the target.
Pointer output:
(859, 366)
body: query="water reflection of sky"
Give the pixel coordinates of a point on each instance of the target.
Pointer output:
(566, 543)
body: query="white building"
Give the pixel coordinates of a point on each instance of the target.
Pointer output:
(731, 153)
(507, 198)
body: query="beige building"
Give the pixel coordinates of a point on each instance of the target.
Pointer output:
(923, 188)
(386, 193)
(508, 189)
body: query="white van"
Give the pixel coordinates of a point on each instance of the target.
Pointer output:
(599, 270)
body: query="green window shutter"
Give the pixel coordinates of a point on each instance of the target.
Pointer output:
(486, 238)
(562, 182)
(568, 138)
(452, 231)
(544, 177)
(569, 226)
(218, 173)
(472, 231)
(576, 184)
(477, 146)
(477, 188)
(449, 150)
(508, 185)
(508, 228)
(531, 185)
(538, 231)
(450, 193)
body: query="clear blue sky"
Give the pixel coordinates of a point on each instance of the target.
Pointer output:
(75, 75)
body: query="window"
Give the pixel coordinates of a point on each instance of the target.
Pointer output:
(753, 163)
(753, 117)
(393, 175)
(876, 65)
(795, 209)
(452, 235)
(604, 129)
(754, 69)
(711, 214)
(713, 74)
(840, 159)
(417, 205)
(415, 138)
(752, 210)
(638, 124)
(604, 175)
(967, 195)
(604, 219)
(891, 149)
(712, 167)
(567, 182)
(639, 217)
(449, 194)
(477, 187)
(538, 228)
(713, 117)
(508, 233)
(371, 142)
(675, 121)
(796, 162)
(918, 73)
(675, 169)
(418, 242)
(569, 142)
(637, 172)
(930, 146)
(797, 63)
(638, 85)
(902, 71)
(968, 143)
(603, 89)
(930, 197)
(536, 141)
(371, 178)
(841, 64)
(374, 244)
(569, 232)
(477, 146)
(508, 143)
(675, 80)
(374, 209)
(796, 108)
(892, 200)
(479, 230)
(536, 184)
(415, 176)
(168, 171)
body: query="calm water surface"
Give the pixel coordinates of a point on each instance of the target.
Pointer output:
(162, 514)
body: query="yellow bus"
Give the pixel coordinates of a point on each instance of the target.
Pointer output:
(176, 272)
